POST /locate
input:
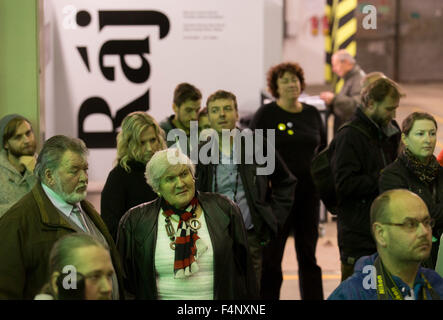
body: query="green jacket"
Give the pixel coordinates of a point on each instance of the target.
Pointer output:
(28, 231)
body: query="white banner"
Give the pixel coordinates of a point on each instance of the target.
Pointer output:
(109, 58)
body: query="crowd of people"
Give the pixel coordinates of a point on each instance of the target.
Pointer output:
(170, 228)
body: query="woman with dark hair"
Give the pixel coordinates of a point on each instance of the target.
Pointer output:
(417, 170)
(184, 245)
(125, 186)
(299, 136)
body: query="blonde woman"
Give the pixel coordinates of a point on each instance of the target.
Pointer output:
(140, 137)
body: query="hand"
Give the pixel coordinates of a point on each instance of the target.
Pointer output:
(327, 97)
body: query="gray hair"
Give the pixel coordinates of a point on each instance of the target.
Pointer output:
(52, 153)
(161, 162)
(343, 55)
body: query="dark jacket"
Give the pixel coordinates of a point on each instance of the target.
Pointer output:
(233, 273)
(269, 197)
(352, 288)
(398, 176)
(28, 231)
(122, 191)
(167, 125)
(356, 162)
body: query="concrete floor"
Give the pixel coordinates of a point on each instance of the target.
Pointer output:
(327, 259)
(419, 97)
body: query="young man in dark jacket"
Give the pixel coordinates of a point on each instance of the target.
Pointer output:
(186, 104)
(238, 176)
(357, 159)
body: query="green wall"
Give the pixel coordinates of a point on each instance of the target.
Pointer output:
(19, 62)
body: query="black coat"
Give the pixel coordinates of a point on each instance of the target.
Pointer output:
(356, 162)
(233, 273)
(122, 191)
(269, 197)
(398, 176)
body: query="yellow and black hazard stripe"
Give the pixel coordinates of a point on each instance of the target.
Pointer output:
(342, 30)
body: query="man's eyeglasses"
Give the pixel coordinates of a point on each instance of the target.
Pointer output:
(411, 224)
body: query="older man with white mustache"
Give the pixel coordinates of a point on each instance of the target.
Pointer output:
(55, 207)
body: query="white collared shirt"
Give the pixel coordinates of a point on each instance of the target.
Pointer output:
(63, 206)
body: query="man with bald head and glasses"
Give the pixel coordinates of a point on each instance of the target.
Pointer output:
(402, 229)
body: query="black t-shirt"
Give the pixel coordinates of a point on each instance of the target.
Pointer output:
(298, 136)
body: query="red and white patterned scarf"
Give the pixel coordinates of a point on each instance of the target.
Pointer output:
(188, 245)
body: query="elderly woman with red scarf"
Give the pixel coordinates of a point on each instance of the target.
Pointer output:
(185, 244)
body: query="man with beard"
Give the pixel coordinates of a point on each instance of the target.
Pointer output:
(16, 142)
(126, 185)
(186, 104)
(359, 152)
(54, 207)
(402, 229)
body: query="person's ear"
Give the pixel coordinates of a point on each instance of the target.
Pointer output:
(379, 232)
(49, 177)
(175, 108)
(371, 105)
(404, 140)
(53, 282)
